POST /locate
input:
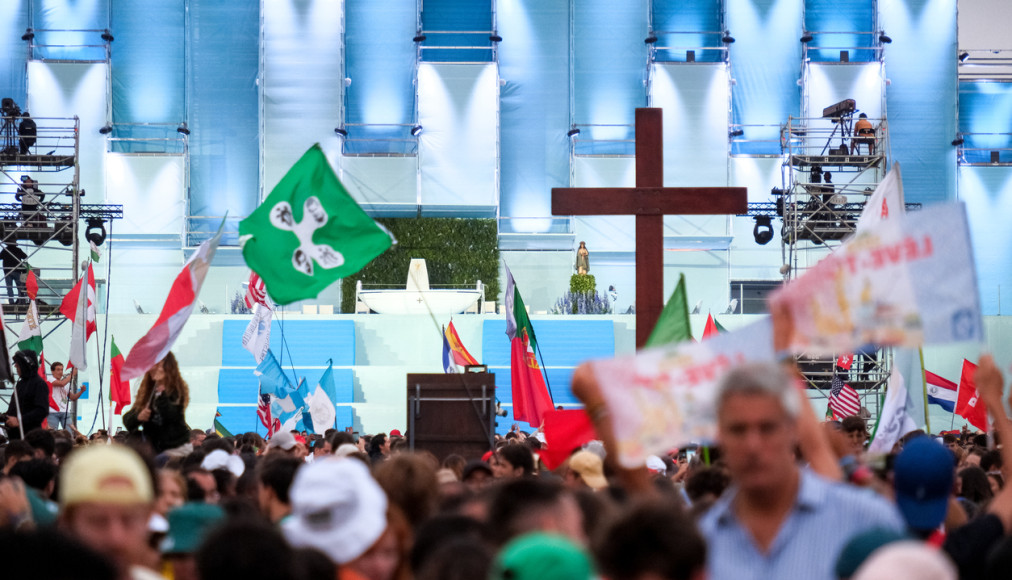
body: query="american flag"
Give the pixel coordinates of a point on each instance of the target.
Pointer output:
(256, 292)
(843, 399)
(264, 412)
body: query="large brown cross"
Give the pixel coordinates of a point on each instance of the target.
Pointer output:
(649, 201)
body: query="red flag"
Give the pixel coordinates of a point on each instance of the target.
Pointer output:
(711, 327)
(256, 291)
(69, 305)
(153, 346)
(845, 361)
(42, 373)
(119, 390)
(460, 354)
(32, 285)
(968, 404)
(564, 432)
(531, 399)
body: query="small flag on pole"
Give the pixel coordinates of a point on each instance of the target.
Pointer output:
(119, 390)
(256, 292)
(941, 391)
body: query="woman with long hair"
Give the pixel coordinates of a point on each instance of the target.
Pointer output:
(159, 409)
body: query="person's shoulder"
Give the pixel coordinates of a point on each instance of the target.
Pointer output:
(862, 503)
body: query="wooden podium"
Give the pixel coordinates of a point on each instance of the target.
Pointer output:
(451, 413)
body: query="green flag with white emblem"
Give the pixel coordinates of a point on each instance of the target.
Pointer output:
(309, 232)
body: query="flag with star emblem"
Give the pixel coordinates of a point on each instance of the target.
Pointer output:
(309, 232)
(843, 399)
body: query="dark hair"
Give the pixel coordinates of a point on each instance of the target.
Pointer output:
(339, 438)
(991, 460)
(461, 558)
(709, 480)
(974, 484)
(949, 438)
(518, 500)
(652, 537)
(441, 530)
(35, 549)
(53, 366)
(276, 472)
(409, 480)
(247, 549)
(215, 442)
(36, 473)
(42, 440)
(518, 455)
(854, 423)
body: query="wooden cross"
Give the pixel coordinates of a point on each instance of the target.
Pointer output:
(649, 201)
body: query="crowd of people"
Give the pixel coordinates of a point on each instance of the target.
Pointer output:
(781, 495)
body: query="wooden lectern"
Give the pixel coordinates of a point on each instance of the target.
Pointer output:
(451, 413)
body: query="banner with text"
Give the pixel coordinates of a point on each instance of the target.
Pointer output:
(664, 397)
(906, 281)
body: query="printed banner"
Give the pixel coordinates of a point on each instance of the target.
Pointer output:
(664, 397)
(906, 281)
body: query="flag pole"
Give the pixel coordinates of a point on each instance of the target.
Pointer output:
(924, 390)
(952, 423)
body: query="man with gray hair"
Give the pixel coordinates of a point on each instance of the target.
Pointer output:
(780, 520)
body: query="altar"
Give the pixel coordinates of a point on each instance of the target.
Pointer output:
(418, 298)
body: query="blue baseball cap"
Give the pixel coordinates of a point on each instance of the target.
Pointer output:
(923, 477)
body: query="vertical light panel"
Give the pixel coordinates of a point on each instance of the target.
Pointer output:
(921, 65)
(608, 73)
(150, 188)
(681, 26)
(985, 111)
(65, 22)
(766, 65)
(68, 89)
(147, 62)
(13, 50)
(695, 102)
(534, 62)
(223, 113)
(987, 192)
(457, 107)
(837, 25)
(381, 60)
(303, 81)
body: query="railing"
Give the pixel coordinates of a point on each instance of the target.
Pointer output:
(65, 44)
(688, 46)
(820, 46)
(984, 64)
(380, 139)
(984, 148)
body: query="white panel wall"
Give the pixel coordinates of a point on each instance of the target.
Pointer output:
(152, 191)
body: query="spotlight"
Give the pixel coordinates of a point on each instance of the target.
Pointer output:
(807, 38)
(958, 141)
(183, 129)
(416, 130)
(884, 39)
(495, 37)
(28, 35)
(342, 132)
(727, 38)
(650, 39)
(347, 81)
(95, 232)
(105, 130)
(107, 36)
(736, 133)
(763, 230)
(963, 56)
(573, 132)
(418, 38)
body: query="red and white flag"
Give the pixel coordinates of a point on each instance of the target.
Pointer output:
(845, 361)
(70, 303)
(273, 424)
(256, 291)
(843, 399)
(968, 403)
(153, 346)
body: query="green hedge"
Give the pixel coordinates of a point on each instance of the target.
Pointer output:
(582, 283)
(456, 251)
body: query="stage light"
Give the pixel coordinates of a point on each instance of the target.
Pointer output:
(573, 132)
(495, 37)
(650, 39)
(28, 35)
(727, 38)
(736, 133)
(183, 129)
(763, 230)
(107, 36)
(958, 141)
(418, 38)
(341, 131)
(807, 38)
(963, 56)
(416, 130)
(105, 130)
(95, 232)
(884, 39)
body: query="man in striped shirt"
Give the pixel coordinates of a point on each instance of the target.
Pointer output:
(779, 520)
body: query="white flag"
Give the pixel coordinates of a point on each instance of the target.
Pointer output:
(79, 330)
(257, 338)
(887, 200)
(895, 420)
(321, 409)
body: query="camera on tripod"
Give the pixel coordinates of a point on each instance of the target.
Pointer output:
(10, 108)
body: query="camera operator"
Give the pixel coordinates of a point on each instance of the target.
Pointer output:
(30, 402)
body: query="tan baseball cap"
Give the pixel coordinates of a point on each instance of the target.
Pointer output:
(107, 474)
(590, 467)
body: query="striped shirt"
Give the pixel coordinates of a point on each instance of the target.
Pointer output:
(825, 516)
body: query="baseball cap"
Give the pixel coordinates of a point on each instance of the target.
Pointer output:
(395, 433)
(221, 459)
(861, 546)
(541, 556)
(590, 467)
(656, 464)
(923, 474)
(282, 440)
(109, 474)
(907, 559)
(337, 508)
(188, 525)
(346, 449)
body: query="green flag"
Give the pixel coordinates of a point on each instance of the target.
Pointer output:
(30, 336)
(673, 324)
(309, 232)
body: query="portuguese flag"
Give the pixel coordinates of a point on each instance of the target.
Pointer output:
(531, 399)
(119, 390)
